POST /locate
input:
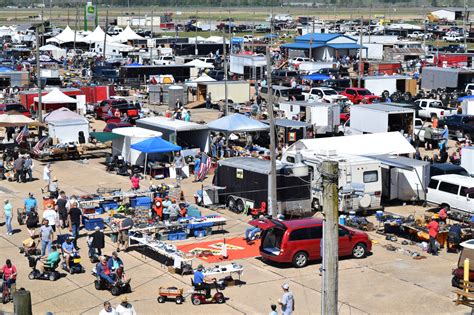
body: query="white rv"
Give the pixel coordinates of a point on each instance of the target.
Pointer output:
(324, 117)
(360, 174)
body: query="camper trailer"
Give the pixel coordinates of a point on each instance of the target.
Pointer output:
(246, 186)
(360, 180)
(324, 117)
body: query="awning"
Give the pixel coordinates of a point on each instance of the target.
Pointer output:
(105, 136)
(155, 145)
(301, 46)
(316, 77)
(346, 46)
(237, 123)
(13, 119)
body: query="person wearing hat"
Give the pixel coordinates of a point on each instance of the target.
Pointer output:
(433, 229)
(125, 308)
(30, 202)
(287, 301)
(52, 216)
(53, 188)
(202, 282)
(96, 242)
(103, 271)
(174, 211)
(28, 168)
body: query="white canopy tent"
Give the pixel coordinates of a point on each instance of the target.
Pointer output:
(203, 78)
(66, 36)
(56, 97)
(55, 51)
(363, 145)
(96, 36)
(126, 35)
(66, 125)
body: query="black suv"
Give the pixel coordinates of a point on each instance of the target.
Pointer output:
(283, 77)
(217, 75)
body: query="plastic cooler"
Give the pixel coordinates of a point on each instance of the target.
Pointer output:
(193, 211)
(143, 202)
(90, 224)
(109, 204)
(199, 233)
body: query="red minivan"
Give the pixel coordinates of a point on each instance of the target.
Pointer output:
(299, 241)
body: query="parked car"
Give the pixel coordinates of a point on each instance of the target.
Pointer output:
(452, 191)
(299, 241)
(325, 94)
(114, 124)
(217, 75)
(283, 77)
(460, 126)
(360, 95)
(446, 169)
(298, 60)
(17, 107)
(120, 105)
(337, 84)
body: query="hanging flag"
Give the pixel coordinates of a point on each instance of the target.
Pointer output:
(206, 162)
(22, 135)
(39, 146)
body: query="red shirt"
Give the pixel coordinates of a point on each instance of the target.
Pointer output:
(442, 214)
(9, 271)
(135, 182)
(433, 228)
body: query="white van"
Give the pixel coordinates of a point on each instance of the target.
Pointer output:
(451, 190)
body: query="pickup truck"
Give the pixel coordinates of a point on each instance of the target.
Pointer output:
(164, 61)
(360, 95)
(453, 38)
(116, 105)
(282, 93)
(420, 127)
(469, 89)
(429, 108)
(325, 94)
(459, 126)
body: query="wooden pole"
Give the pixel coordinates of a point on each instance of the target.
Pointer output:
(272, 187)
(330, 250)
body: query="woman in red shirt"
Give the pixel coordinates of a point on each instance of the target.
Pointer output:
(9, 273)
(135, 182)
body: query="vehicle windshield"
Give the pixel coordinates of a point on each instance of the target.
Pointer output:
(329, 92)
(364, 92)
(466, 253)
(273, 238)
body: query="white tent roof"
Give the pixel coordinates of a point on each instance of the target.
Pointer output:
(126, 35)
(171, 124)
(66, 36)
(199, 64)
(365, 145)
(50, 47)
(96, 36)
(136, 132)
(203, 78)
(14, 120)
(64, 114)
(56, 97)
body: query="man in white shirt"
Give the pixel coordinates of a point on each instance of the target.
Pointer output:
(108, 309)
(52, 217)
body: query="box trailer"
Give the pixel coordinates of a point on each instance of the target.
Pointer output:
(359, 178)
(246, 186)
(376, 118)
(467, 159)
(450, 78)
(237, 91)
(250, 67)
(403, 178)
(379, 84)
(14, 79)
(324, 117)
(188, 135)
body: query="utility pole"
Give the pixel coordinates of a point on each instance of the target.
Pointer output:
(38, 74)
(253, 31)
(75, 27)
(311, 42)
(329, 296)
(272, 189)
(271, 30)
(361, 69)
(226, 76)
(464, 25)
(230, 36)
(424, 27)
(196, 33)
(151, 40)
(105, 33)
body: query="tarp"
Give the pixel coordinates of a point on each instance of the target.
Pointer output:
(64, 114)
(56, 97)
(105, 136)
(155, 145)
(237, 123)
(467, 97)
(5, 69)
(126, 35)
(96, 36)
(199, 64)
(66, 36)
(364, 145)
(316, 77)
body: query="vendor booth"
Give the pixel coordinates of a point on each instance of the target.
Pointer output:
(290, 130)
(57, 99)
(237, 123)
(67, 126)
(186, 134)
(131, 135)
(154, 145)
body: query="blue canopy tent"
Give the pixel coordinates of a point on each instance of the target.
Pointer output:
(154, 145)
(237, 123)
(316, 77)
(460, 99)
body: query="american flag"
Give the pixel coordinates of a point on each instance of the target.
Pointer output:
(205, 166)
(22, 135)
(39, 146)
